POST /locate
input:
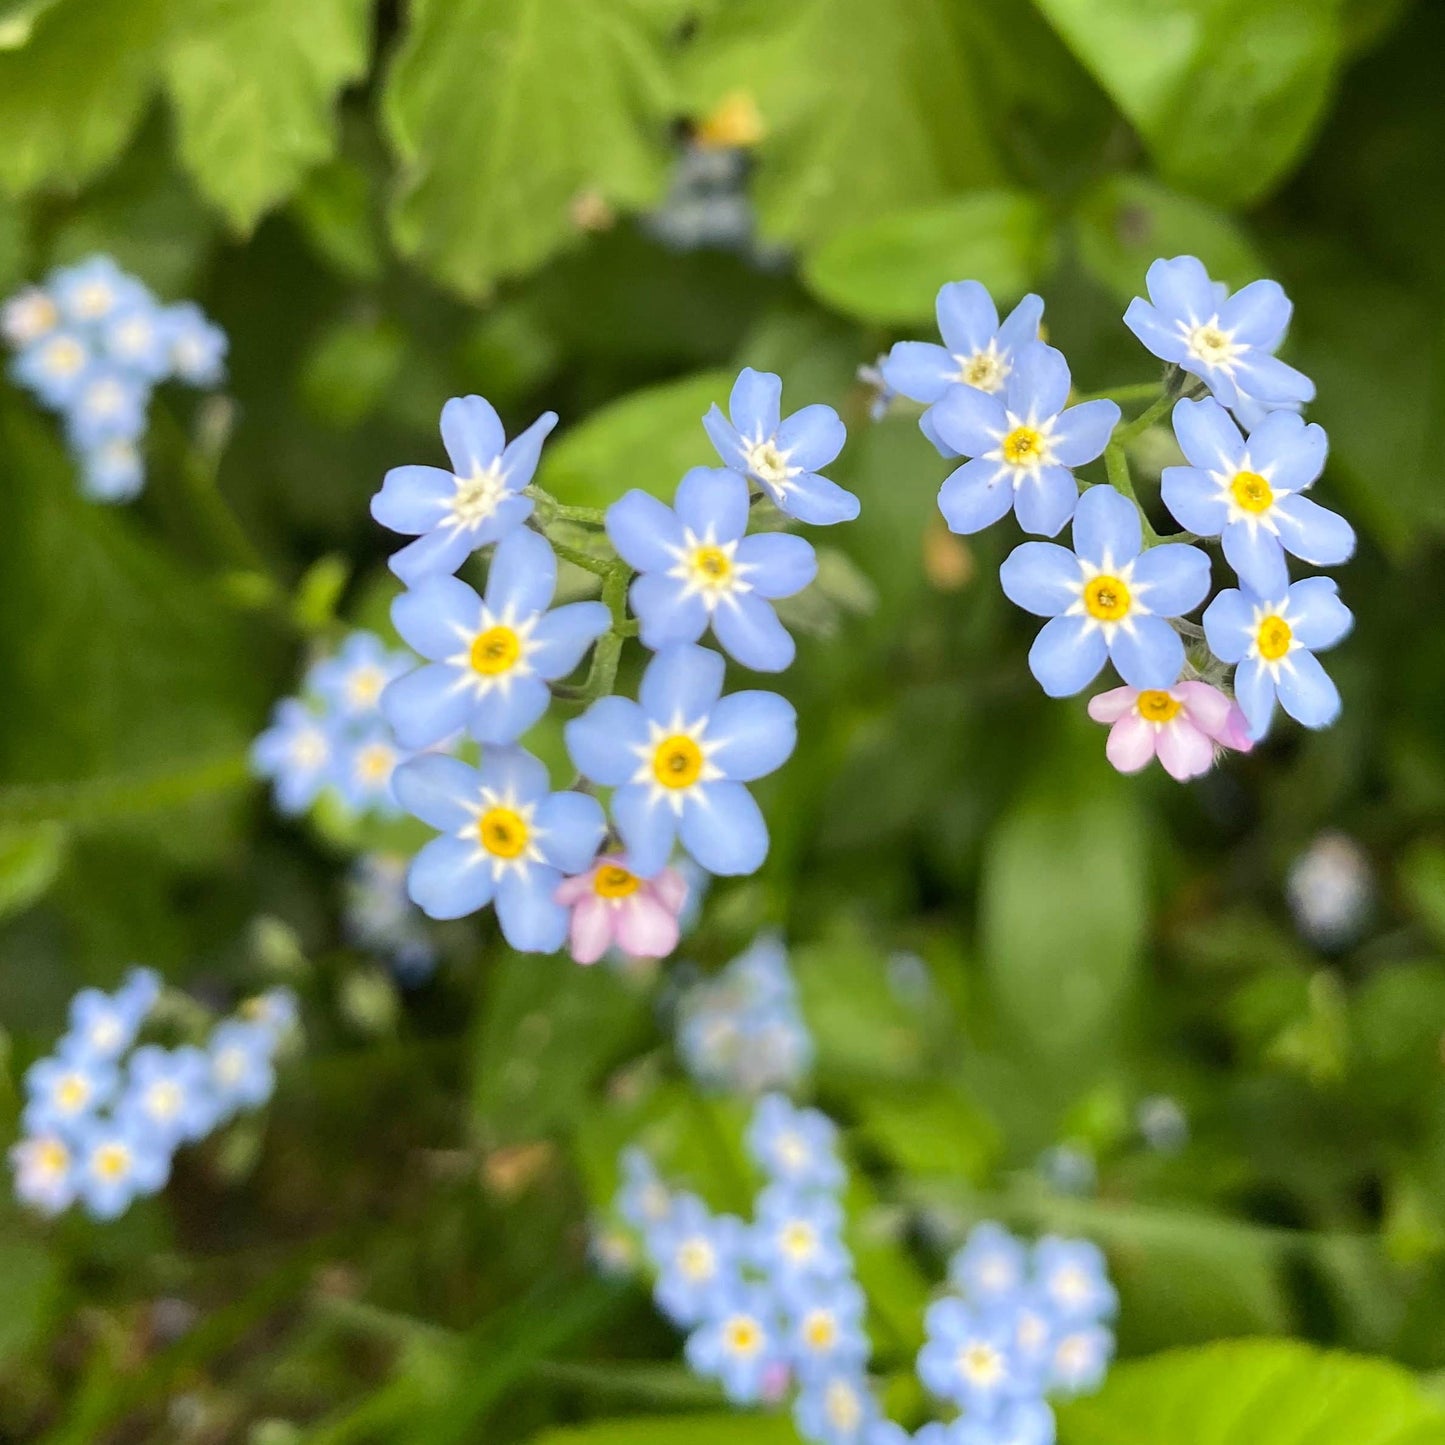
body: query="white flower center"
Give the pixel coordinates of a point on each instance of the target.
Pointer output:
(478, 496)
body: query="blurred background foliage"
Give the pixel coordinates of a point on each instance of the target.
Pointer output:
(386, 205)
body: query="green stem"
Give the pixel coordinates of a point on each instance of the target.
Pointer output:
(1146, 418)
(597, 566)
(1135, 391)
(554, 511)
(1116, 464)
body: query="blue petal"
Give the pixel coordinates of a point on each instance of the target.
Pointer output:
(818, 501)
(1045, 501)
(1306, 691)
(1229, 625)
(1254, 692)
(449, 879)
(1042, 578)
(472, 434)
(436, 554)
(970, 421)
(519, 461)
(1219, 382)
(1067, 655)
(437, 617)
(1267, 378)
(522, 575)
(754, 733)
(713, 498)
(1154, 330)
(1038, 385)
(1316, 614)
(510, 513)
(755, 403)
(723, 828)
(967, 317)
(1193, 500)
(1257, 314)
(1207, 435)
(780, 563)
(664, 614)
(572, 826)
(413, 499)
(1106, 528)
(602, 742)
(426, 706)
(1289, 452)
(1256, 555)
(1172, 579)
(648, 829)
(726, 438)
(531, 921)
(1180, 288)
(681, 682)
(437, 790)
(515, 772)
(750, 632)
(812, 437)
(503, 715)
(919, 370)
(929, 428)
(642, 529)
(560, 639)
(1021, 326)
(975, 495)
(1148, 653)
(1312, 533)
(1082, 432)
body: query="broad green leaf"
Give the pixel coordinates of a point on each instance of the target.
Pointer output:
(336, 211)
(504, 113)
(1064, 900)
(1255, 1392)
(867, 106)
(1225, 93)
(647, 440)
(1125, 222)
(889, 269)
(254, 86)
(934, 1131)
(73, 93)
(30, 859)
(736, 1427)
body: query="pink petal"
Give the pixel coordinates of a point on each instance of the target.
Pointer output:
(645, 928)
(1235, 733)
(592, 923)
(1107, 707)
(1131, 743)
(574, 890)
(671, 890)
(1184, 751)
(1208, 708)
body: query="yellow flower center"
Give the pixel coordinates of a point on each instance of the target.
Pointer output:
(375, 763)
(1274, 638)
(73, 1093)
(1023, 446)
(735, 123)
(712, 564)
(112, 1161)
(164, 1100)
(65, 356)
(980, 1363)
(844, 1411)
(94, 300)
(677, 763)
(614, 881)
(743, 1334)
(52, 1157)
(820, 1330)
(1157, 706)
(1252, 492)
(767, 463)
(503, 832)
(1106, 598)
(797, 1240)
(365, 685)
(1210, 344)
(495, 651)
(983, 370)
(696, 1260)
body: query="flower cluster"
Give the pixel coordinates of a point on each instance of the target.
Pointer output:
(772, 1306)
(91, 344)
(677, 760)
(333, 734)
(997, 396)
(104, 1116)
(380, 917)
(742, 1031)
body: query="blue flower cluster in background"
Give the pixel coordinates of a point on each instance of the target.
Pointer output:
(380, 917)
(997, 395)
(677, 760)
(103, 1116)
(772, 1307)
(333, 735)
(742, 1031)
(91, 344)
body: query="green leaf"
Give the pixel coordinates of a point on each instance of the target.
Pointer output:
(352, 368)
(889, 269)
(737, 1427)
(1226, 94)
(504, 113)
(254, 86)
(934, 1131)
(1063, 900)
(32, 1285)
(14, 245)
(30, 860)
(1254, 1392)
(1125, 222)
(72, 94)
(647, 439)
(1422, 872)
(868, 106)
